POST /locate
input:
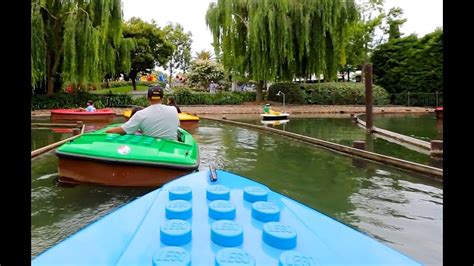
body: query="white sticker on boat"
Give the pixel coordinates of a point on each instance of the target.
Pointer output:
(124, 149)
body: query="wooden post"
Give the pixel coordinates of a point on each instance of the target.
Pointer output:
(353, 118)
(437, 148)
(369, 101)
(359, 144)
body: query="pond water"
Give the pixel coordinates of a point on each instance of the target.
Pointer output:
(423, 126)
(340, 129)
(401, 209)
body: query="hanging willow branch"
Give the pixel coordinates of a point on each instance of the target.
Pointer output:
(79, 42)
(280, 39)
(38, 47)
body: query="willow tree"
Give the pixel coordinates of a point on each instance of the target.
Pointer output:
(276, 40)
(77, 42)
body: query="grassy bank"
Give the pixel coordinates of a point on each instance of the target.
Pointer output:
(120, 90)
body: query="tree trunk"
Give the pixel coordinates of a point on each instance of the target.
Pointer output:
(51, 81)
(52, 76)
(259, 91)
(133, 76)
(54, 56)
(171, 73)
(107, 77)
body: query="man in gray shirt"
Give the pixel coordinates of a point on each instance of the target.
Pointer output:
(157, 120)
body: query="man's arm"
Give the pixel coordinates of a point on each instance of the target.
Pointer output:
(118, 130)
(130, 127)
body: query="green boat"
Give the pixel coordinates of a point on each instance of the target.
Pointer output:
(126, 160)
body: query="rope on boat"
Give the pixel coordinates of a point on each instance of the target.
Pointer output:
(56, 144)
(403, 164)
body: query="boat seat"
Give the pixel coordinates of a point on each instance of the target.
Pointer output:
(180, 136)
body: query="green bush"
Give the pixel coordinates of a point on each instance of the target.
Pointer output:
(141, 101)
(294, 93)
(123, 83)
(115, 84)
(326, 93)
(185, 96)
(79, 99)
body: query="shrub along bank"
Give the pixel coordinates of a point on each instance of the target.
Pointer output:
(340, 93)
(183, 97)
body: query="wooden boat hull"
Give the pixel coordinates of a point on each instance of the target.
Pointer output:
(75, 171)
(103, 115)
(189, 125)
(76, 117)
(126, 160)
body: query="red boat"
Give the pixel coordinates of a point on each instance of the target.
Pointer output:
(439, 112)
(82, 115)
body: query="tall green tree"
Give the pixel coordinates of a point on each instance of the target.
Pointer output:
(361, 37)
(76, 42)
(151, 47)
(281, 39)
(410, 63)
(181, 57)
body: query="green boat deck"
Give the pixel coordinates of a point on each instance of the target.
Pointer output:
(137, 149)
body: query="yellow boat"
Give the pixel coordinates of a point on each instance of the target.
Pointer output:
(127, 113)
(274, 112)
(183, 117)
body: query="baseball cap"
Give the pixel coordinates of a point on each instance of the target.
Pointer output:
(155, 93)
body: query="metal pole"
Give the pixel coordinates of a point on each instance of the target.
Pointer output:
(369, 101)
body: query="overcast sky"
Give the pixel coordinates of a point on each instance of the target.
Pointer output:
(423, 16)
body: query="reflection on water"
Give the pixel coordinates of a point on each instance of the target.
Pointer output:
(399, 208)
(421, 126)
(57, 211)
(43, 137)
(340, 129)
